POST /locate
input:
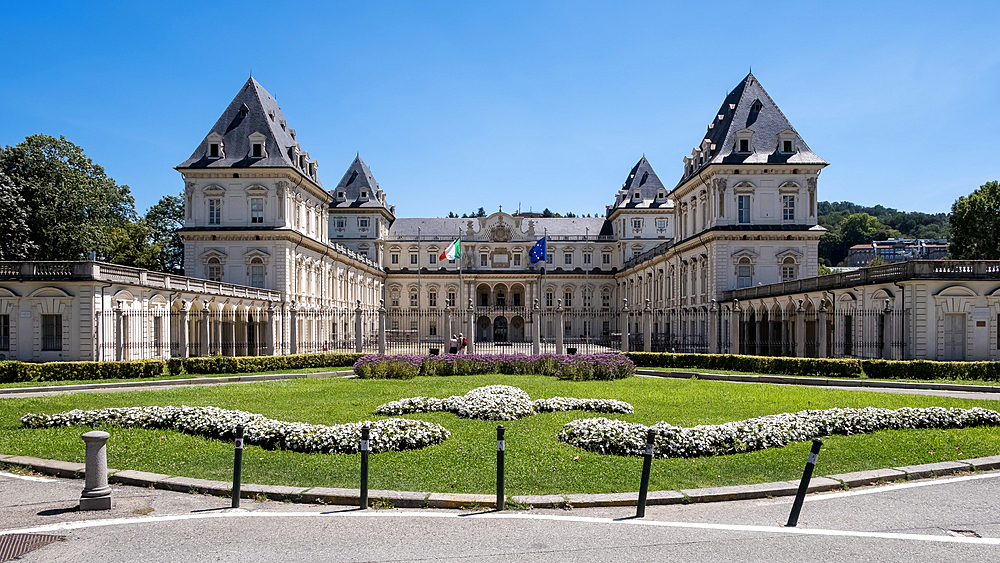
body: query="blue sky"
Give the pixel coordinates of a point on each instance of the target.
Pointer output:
(539, 104)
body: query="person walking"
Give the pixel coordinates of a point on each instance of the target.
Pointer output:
(453, 345)
(462, 344)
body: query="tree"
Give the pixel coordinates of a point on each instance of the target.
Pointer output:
(72, 206)
(15, 239)
(975, 224)
(132, 244)
(163, 221)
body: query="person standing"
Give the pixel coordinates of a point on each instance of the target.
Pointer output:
(462, 344)
(453, 345)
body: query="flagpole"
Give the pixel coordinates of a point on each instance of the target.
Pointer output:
(461, 286)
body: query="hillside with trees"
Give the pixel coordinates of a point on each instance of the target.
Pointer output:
(849, 224)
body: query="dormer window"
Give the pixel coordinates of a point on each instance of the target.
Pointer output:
(744, 145)
(661, 194)
(637, 196)
(213, 150)
(215, 146)
(786, 141)
(364, 193)
(786, 146)
(258, 145)
(341, 195)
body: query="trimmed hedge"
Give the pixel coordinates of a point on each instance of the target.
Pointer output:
(246, 364)
(923, 369)
(752, 364)
(824, 367)
(16, 372)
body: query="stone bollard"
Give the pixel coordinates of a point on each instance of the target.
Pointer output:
(96, 492)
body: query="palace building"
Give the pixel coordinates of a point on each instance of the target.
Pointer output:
(724, 259)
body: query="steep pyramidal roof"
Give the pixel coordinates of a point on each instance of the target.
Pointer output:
(748, 108)
(252, 112)
(642, 180)
(359, 188)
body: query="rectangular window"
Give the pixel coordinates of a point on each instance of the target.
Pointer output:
(483, 259)
(413, 300)
(432, 258)
(394, 300)
(340, 223)
(214, 211)
(451, 298)
(568, 259)
(51, 332)
(548, 298)
(588, 258)
(256, 210)
(567, 329)
(432, 299)
(4, 332)
(433, 328)
(787, 146)
(743, 207)
(413, 259)
(213, 150)
(413, 326)
(637, 224)
(517, 259)
(548, 258)
(606, 328)
(517, 299)
(256, 276)
(158, 334)
(742, 276)
(568, 299)
(215, 272)
(363, 223)
(606, 258)
(258, 150)
(395, 324)
(787, 273)
(661, 223)
(394, 258)
(744, 145)
(788, 208)
(606, 300)
(586, 300)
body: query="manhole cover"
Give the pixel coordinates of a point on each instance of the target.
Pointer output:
(16, 545)
(963, 534)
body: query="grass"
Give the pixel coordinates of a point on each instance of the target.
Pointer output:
(861, 378)
(536, 462)
(164, 377)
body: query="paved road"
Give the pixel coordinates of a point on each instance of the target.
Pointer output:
(904, 522)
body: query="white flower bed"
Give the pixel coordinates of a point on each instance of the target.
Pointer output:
(499, 402)
(394, 434)
(617, 437)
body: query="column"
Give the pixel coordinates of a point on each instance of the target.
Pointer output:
(230, 329)
(559, 328)
(269, 331)
(472, 328)
(735, 324)
(821, 329)
(800, 331)
(205, 344)
(624, 325)
(381, 326)
(358, 327)
(887, 332)
(713, 328)
(293, 329)
(759, 328)
(536, 324)
(183, 330)
(647, 328)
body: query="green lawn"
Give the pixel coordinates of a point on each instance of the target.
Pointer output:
(537, 463)
(902, 379)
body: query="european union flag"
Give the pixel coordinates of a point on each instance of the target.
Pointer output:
(537, 253)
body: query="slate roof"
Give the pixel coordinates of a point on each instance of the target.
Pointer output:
(644, 181)
(253, 110)
(749, 106)
(359, 176)
(532, 229)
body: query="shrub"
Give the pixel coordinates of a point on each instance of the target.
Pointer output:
(15, 372)
(246, 364)
(827, 367)
(575, 368)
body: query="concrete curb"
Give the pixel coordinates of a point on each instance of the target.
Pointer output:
(412, 499)
(820, 381)
(173, 382)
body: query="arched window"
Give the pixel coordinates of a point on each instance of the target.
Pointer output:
(788, 269)
(744, 273)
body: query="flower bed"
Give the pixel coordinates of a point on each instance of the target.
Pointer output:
(576, 367)
(499, 402)
(616, 437)
(394, 434)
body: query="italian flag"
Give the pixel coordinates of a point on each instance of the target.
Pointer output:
(453, 251)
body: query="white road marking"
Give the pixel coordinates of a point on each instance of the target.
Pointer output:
(65, 526)
(884, 488)
(24, 477)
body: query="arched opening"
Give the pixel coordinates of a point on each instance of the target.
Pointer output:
(500, 329)
(516, 332)
(484, 329)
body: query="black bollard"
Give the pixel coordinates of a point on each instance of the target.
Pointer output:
(647, 462)
(365, 448)
(500, 450)
(237, 466)
(800, 497)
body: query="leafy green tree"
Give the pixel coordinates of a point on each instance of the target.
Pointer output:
(975, 224)
(72, 206)
(132, 244)
(15, 239)
(163, 221)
